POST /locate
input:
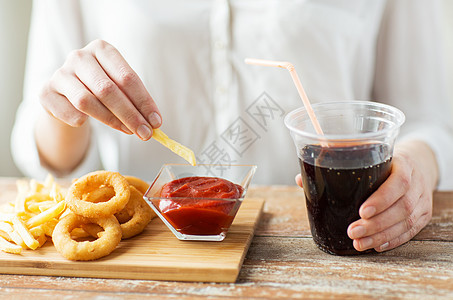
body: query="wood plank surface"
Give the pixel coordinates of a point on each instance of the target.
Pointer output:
(283, 268)
(285, 214)
(284, 263)
(416, 268)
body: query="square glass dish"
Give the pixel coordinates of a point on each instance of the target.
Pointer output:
(195, 202)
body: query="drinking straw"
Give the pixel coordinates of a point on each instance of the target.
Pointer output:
(292, 71)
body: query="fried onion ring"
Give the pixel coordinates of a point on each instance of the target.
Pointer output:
(93, 230)
(133, 217)
(76, 198)
(139, 212)
(102, 194)
(86, 250)
(141, 185)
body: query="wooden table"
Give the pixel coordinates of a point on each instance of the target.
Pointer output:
(284, 263)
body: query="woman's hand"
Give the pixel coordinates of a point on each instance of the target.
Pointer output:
(96, 81)
(402, 205)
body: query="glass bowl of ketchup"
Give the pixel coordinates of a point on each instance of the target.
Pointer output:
(199, 203)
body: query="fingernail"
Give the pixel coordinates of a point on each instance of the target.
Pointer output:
(384, 246)
(368, 212)
(298, 180)
(144, 132)
(125, 129)
(155, 120)
(366, 243)
(357, 232)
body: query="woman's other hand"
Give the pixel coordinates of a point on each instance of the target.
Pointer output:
(402, 205)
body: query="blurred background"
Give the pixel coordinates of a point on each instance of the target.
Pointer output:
(14, 23)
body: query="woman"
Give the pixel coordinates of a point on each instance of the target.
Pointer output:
(102, 75)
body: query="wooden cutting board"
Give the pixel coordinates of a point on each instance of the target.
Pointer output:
(155, 254)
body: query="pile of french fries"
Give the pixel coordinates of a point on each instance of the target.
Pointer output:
(27, 222)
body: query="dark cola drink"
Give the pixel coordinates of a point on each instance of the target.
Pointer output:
(336, 181)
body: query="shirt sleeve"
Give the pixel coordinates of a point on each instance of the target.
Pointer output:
(55, 30)
(411, 75)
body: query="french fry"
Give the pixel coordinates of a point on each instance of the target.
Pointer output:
(37, 231)
(39, 234)
(5, 231)
(24, 233)
(22, 190)
(49, 226)
(16, 238)
(9, 247)
(93, 230)
(38, 197)
(6, 217)
(5, 235)
(24, 215)
(6, 227)
(79, 233)
(55, 193)
(65, 213)
(49, 181)
(46, 215)
(174, 146)
(42, 239)
(35, 186)
(38, 207)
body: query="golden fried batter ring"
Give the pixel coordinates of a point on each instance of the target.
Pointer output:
(135, 216)
(86, 250)
(102, 194)
(93, 230)
(78, 192)
(139, 184)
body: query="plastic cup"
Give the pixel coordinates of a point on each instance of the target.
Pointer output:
(343, 167)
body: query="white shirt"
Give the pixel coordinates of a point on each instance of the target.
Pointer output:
(190, 56)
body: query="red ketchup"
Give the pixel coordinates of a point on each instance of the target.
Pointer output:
(190, 214)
